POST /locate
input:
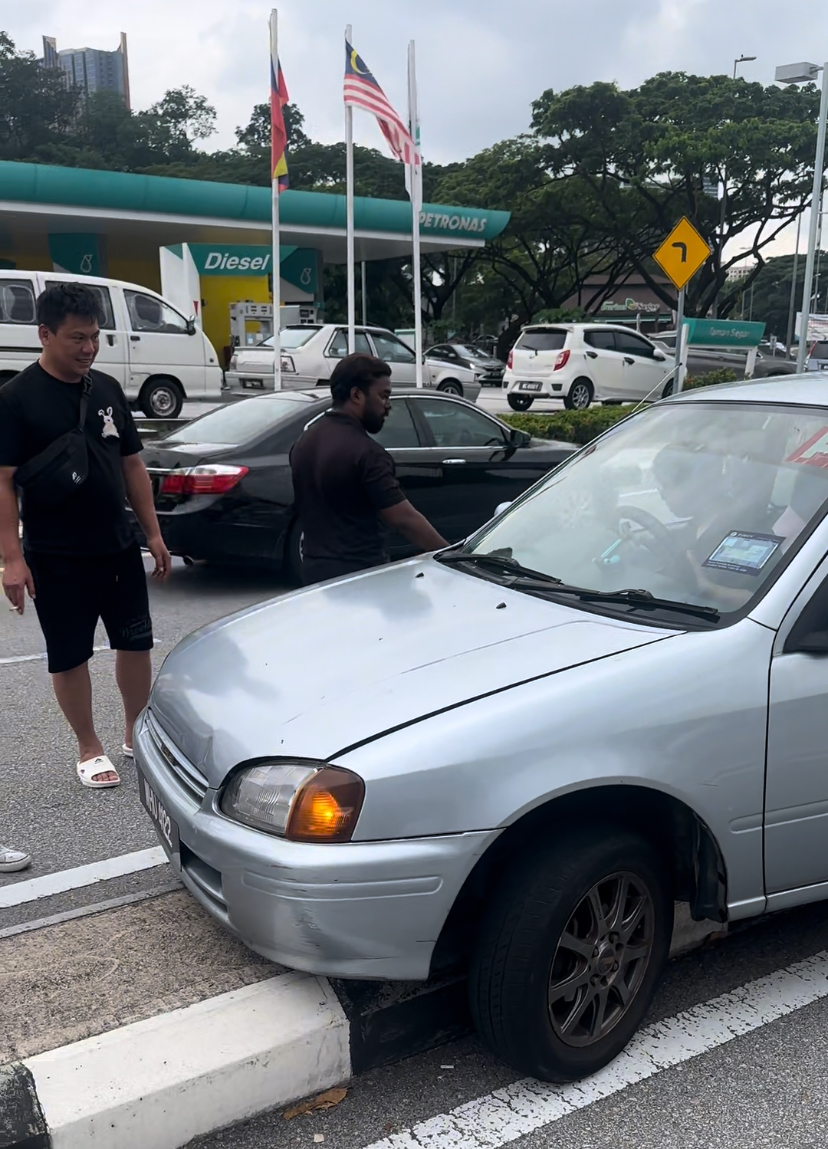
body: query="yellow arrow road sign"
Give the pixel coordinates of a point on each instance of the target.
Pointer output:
(682, 253)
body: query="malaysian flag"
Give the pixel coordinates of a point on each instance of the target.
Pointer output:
(363, 91)
(278, 133)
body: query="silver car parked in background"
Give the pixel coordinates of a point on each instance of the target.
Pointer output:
(515, 755)
(311, 351)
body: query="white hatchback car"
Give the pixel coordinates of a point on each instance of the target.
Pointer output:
(581, 363)
(311, 351)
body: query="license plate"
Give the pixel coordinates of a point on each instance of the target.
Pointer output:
(165, 827)
(253, 384)
(530, 386)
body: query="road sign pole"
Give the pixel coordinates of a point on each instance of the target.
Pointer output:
(679, 378)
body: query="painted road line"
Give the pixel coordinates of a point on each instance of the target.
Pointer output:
(90, 911)
(17, 658)
(526, 1106)
(29, 891)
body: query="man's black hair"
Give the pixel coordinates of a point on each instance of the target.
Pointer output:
(359, 371)
(58, 302)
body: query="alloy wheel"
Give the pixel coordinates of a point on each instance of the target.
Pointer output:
(601, 959)
(580, 396)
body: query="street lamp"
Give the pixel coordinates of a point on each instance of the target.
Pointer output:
(805, 73)
(741, 60)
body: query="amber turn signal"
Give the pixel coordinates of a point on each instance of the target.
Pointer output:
(326, 807)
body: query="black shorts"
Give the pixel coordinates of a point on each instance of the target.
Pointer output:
(74, 591)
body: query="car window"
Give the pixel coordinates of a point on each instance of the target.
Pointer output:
(391, 349)
(455, 425)
(149, 314)
(631, 344)
(541, 340)
(17, 302)
(820, 351)
(442, 352)
(602, 340)
(239, 422)
(398, 430)
(338, 347)
(291, 337)
(107, 323)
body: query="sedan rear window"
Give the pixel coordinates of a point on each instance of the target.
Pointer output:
(292, 337)
(542, 341)
(230, 426)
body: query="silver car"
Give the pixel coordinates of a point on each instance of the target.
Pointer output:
(515, 755)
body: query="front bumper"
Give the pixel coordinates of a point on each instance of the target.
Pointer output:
(360, 910)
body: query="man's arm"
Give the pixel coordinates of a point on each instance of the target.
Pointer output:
(413, 526)
(17, 578)
(139, 493)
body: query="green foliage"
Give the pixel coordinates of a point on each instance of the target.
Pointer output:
(711, 378)
(768, 297)
(569, 426)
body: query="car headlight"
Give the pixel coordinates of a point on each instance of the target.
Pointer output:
(287, 364)
(300, 801)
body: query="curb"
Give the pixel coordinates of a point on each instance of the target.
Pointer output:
(162, 1081)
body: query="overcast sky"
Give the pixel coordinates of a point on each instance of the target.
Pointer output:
(480, 62)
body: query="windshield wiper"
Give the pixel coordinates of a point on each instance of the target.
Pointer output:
(636, 598)
(497, 562)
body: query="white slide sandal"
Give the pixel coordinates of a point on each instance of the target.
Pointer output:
(93, 768)
(127, 751)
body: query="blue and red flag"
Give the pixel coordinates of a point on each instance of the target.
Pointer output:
(278, 133)
(361, 90)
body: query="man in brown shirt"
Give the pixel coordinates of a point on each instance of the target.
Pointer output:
(344, 482)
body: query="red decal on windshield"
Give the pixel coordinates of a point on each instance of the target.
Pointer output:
(814, 452)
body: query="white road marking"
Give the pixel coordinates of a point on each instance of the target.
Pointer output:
(39, 657)
(91, 910)
(528, 1105)
(19, 892)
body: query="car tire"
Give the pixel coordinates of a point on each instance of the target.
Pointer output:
(451, 387)
(521, 958)
(579, 396)
(668, 389)
(293, 554)
(520, 402)
(161, 399)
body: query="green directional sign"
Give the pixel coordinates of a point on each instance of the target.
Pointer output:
(723, 333)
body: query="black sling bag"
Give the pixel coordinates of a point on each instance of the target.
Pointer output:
(53, 475)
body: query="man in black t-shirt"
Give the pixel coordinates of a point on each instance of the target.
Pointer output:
(79, 560)
(344, 482)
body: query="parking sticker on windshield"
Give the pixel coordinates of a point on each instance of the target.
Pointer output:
(814, 452)
(743, 552)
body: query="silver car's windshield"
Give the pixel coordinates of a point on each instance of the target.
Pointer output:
(690, 502)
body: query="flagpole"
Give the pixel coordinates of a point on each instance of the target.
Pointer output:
(349, 212)
(276, 263)
(416, 203)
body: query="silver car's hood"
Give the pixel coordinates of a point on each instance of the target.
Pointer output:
(315, 672)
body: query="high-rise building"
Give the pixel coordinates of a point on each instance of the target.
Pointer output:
(90, 68)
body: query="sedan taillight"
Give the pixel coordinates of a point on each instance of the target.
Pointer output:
(205, 480)
(562, 360)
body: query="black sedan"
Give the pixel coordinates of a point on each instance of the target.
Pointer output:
(490, 370)
(223, 488)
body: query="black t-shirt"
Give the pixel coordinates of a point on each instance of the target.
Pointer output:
(36, 409)
(342, 479)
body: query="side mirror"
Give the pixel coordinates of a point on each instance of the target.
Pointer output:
(660, 356)
(520, 438)
(500, 508)
(191, 325)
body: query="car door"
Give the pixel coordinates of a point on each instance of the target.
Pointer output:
(419, 471)
(605, 363)
(796, 802)
(476, 454)
(113, 356)
(400, 358)
(162, 342)
(642, 373)
(338, 347)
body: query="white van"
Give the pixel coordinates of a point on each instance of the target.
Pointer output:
(159, 357)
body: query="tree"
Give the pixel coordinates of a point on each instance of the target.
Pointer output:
(643, 158)
(768, 297)
(36, 103)
(256, 136)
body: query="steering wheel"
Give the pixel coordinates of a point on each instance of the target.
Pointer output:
(662, 543)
